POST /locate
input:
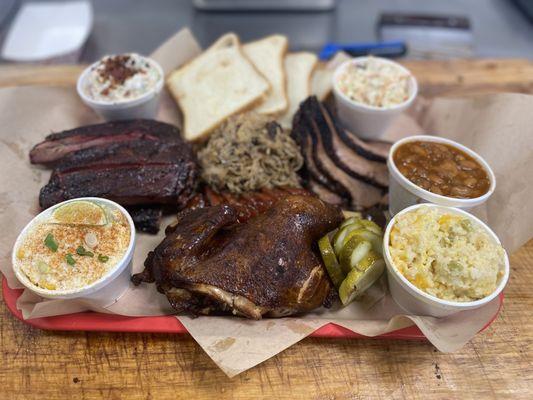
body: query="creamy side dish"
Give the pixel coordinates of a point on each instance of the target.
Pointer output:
(445, 255)
(75, 246)
(375, 83)
(121, 77)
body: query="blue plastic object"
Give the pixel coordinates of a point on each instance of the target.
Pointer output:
(382, 49)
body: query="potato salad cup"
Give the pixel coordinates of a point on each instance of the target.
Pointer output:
(455, 277)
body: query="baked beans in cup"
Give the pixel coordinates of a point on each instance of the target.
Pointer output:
(435, 170)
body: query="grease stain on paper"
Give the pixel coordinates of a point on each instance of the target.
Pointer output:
(298, 327)
(223, 344)
(15, 148)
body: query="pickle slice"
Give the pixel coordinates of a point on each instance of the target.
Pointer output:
(331, 262)
(339, 238)
(376, 240)
(353, 252)
(371, 226)
(353, 255)
(349, 221)
(367, 261)
(357, 282)
(350, 214)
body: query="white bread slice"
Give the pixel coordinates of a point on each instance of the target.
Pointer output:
(267, 55)
(217, 84)
(321, 82)
(299, 68)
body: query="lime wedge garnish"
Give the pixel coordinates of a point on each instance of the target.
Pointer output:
(80, 213)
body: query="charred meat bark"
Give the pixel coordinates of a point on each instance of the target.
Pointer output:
(372, 150)
(140, 163)
(268, 266)
(58, 145)
(135, 152)
(371, 172)
(311, 172)
(146, 218)
(375, 150)
(148, 172)
(127, 184)
(362, 194)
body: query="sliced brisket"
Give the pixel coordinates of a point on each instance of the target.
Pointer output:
(311, 172)
(313, 124)
(373, 150)
(371, 172)
(362, 194)
(325, 194)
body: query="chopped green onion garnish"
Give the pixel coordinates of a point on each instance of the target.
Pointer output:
(82, 252)
(102, 258)
(43, 267)
(70, 259)
(50, 242)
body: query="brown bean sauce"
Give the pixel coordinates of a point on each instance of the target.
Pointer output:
(441, 169)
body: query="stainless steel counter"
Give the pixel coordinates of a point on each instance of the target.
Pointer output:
(499, 30)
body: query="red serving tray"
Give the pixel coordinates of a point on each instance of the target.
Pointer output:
(92, 321)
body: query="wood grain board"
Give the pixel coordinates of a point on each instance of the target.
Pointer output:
(496, 364)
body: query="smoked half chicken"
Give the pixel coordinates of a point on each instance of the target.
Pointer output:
(269, 266)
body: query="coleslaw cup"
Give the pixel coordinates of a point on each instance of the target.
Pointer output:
(404, 193)
(142, 107)
(416, 301)
(104, 291)
(366, 121)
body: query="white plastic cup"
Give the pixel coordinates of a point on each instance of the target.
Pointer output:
(417, 302)
(366, 121)
(104, 291)
(143, 107)
(404, 193)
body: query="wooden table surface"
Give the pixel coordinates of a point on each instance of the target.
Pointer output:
(496, 364)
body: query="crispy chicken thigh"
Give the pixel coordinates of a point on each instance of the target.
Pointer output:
(268, 266)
